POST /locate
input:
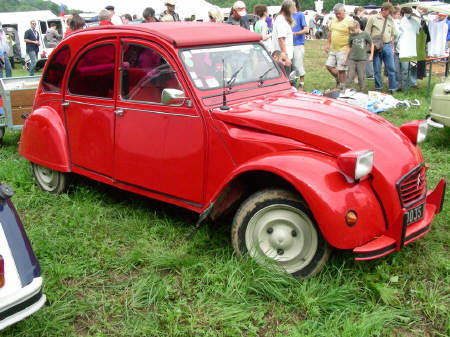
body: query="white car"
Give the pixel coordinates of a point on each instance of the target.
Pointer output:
(439, 111)
(20, 273)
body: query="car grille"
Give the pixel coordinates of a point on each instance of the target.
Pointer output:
(412, 187)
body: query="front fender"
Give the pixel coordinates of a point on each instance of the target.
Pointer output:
(43, 140)
(327, 193)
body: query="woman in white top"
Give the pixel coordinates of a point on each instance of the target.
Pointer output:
(282, 37)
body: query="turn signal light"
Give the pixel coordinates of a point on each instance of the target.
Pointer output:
(416, 131)
(351, 217)
(355, 165)
(2, 272)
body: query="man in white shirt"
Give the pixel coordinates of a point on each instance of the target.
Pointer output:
(115, 19)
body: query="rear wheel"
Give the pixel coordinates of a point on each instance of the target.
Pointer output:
(2, 132)
(48, 180)
(276, 225)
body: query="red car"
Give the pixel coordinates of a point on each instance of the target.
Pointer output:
(200, 116)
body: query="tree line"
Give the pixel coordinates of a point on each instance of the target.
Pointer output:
(30, 5)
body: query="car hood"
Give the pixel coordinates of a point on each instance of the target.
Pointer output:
(329, 125)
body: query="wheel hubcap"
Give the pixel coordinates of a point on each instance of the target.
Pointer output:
(47, 177)
(284, 234)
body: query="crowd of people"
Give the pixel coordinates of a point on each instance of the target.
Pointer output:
(357, 45)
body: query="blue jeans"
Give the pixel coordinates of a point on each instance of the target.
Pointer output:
(33, 60)
(387, 57)
(404, 73)
(398, 72)
(7, 68)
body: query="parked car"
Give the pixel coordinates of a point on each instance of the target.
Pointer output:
(199, 115)
(440, 101)
(20, 272)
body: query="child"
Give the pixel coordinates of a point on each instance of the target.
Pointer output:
(356, 56)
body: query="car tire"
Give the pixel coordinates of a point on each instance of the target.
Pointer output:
(2, 133)
(276, 225)
(51, 181)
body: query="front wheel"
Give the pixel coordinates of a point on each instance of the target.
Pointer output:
(48, 180)
(276, 225)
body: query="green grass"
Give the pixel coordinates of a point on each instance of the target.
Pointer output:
(19, 70)
(117, 264)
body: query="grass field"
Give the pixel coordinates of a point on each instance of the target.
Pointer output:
(117, 264)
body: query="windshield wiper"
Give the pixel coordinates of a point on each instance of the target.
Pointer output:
(233, 78)
(262, 77)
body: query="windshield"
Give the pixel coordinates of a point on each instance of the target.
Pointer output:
(205, 66)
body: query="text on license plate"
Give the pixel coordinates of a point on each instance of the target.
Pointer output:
(414, 214)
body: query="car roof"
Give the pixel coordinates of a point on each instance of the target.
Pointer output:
(186, 34)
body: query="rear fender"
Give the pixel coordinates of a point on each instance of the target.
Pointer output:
(44, 140)
(316, 177)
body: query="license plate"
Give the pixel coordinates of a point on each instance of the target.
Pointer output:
(414, 214)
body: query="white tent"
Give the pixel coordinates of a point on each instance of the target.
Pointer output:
(185, 8)
(7, 17)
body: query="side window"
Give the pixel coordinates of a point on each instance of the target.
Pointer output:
(93, 74)
(145, 73)
(52, 79)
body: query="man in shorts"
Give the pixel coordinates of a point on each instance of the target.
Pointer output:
(299, 30)
(337, 43)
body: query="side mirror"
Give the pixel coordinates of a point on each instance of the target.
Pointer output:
(172, 97)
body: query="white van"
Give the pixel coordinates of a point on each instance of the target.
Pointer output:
(17, 23)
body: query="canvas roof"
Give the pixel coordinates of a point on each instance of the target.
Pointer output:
(199, 33)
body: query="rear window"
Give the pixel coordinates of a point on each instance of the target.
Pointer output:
(93, 74)
(53, 77)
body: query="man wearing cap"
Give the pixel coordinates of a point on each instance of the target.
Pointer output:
(238, 15)
(31, 39)
(115, 19)
(170, 4)
(374, 27)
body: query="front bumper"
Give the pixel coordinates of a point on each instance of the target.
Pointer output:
(386, 244)
(21, 304)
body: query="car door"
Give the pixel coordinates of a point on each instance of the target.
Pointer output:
(158, 147)
(89, 108)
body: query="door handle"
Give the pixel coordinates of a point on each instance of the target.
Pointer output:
(65, 104)
(119, 112)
